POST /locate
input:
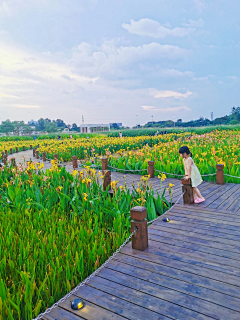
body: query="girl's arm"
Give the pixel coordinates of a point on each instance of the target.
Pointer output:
(189, 169)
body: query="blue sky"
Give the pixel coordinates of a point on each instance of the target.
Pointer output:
(118, 61)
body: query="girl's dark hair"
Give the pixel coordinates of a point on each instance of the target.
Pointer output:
(185, 149)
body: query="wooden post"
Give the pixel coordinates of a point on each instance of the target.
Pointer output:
(188, 195)
(44, 156)
(37, 154)
(151, 169)
(5, 159)
(55, 156)
(34, 152)
(107, 179)
(104, 163)
(16, 149)
(23, 148)
(220, 174)
(74, 162)
(11, 151)
(6, 152)
(138, 216)
(30, 146)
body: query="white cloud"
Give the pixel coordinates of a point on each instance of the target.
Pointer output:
(152, 28)
(194, 23)
(233, 78)
(3, 95)
(168, 109)
(163, 94)
(177, 73)
(200, 5)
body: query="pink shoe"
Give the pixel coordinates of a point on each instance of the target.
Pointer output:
(196, 200)
(201, 200)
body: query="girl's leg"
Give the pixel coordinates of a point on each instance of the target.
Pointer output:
(198, 193)
(195, 195)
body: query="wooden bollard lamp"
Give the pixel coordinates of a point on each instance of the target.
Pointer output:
(16, 149)
(188, 191)
(220, 174)
(151, 169)
(106, 179)
(34, 152)
(37, 154)
(104, 163)
(11, 151)
(44, 156)
(139, 221)
(74, 162)
(55, 156)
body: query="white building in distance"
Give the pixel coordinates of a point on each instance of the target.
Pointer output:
(88, 128)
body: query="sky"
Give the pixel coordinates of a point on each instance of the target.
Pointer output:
(129, 61)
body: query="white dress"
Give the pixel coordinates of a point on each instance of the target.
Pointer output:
(195, 174)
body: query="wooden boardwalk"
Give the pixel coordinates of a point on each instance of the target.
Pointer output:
(191, 269)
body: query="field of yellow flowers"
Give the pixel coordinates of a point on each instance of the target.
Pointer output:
(208, 150)
(56, 228)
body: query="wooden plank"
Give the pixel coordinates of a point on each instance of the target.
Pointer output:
(203, 232)
(94, 306)
(167, 239)
(117, 267)
(186, 207)
(224, 220)
(169, 269)
(228, 228)
(145, 294)
(235, 206)
(118, 303)
(61, 314)
(195, 257)
(199, 240)
(226, 199)
(214, 195)
(181, 265)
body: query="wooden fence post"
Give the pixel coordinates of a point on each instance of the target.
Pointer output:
(220, 174)
(23, 148)
(74, 162)
(11, 151)
(187, 188)
(106, 179)
(5, 159)
(104, 163)
(44, 156)
(30, 146)
(55, 156)
(139, 220)
(37, 154)
(34, 152)
(6, 152)
(16, 149)
(151, 169)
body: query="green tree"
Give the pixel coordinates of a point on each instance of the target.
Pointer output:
(50, 127)
(6, 127)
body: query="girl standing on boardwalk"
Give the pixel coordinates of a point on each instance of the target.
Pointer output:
(191, 171)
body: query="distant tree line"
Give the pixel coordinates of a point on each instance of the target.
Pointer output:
(41, 125)
(233, 118)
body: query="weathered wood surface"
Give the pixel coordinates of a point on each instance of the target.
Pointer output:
(191, 270)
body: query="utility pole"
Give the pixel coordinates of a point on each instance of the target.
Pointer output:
(152, 119)
(137, 120)
(211, 116)
(82, 120)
